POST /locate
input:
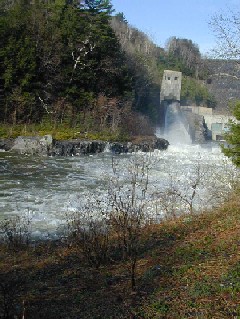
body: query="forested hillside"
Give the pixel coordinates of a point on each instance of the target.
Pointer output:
(224, 82)
(57, 58)
(150, 61)
(78, 64)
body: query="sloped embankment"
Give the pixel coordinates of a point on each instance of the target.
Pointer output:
(187, 268)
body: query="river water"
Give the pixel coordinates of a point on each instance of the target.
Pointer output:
(48, 188)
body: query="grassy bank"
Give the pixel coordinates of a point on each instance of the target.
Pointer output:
(187, 268)
(60, 132)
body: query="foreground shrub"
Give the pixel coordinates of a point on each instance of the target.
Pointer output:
(91, 236)
(15, 232)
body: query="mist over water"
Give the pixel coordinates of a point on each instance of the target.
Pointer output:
(175, 131)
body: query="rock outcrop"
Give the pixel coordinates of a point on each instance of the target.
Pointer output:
(143, 146)
(47, 146)
(32, 145)
(6, 143)
(82, 147)
(224, 83)
(76, 147)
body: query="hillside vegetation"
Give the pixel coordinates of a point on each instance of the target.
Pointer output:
(187, 268)
(68, 66)
(224, 83)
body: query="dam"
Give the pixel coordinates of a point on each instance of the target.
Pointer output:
(199, 122)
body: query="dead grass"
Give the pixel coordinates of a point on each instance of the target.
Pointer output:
(187, 268)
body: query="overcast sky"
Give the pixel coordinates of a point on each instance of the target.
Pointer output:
(188, 19)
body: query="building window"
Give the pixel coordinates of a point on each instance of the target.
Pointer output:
(175, 78)
(169, 78)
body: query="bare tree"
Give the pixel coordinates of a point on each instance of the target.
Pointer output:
(83, 49)
(128, 213)
(89, 232)
(16, 231)
(226, 27)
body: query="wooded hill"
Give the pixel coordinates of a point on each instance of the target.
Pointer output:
(224, 83)
(79, 64)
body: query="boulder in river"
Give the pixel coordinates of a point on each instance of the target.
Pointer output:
(32, 145)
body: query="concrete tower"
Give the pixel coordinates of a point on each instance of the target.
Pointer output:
(171, 86)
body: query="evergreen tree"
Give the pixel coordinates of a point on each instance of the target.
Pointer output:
(195, 92)
(97, 6)
(233, 137)
(55, 51)
(18, 65)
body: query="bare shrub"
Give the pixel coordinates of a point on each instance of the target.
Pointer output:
(16, 231)
(137, 124)
(128, 211)
(90, 235)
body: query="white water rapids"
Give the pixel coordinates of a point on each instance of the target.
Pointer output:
(175, 131)
(46, 188)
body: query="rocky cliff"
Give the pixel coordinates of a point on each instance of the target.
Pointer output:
(224, 83)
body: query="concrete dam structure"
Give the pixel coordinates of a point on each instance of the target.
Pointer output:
(178, 122)
(171, 86)
(216, 124)
(174, 125)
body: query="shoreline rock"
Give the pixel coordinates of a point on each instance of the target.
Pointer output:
(6, 144)
(45, 145)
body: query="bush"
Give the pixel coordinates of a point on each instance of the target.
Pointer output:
(16, 231)
(137, 124)
(91, 236)
(233, 138)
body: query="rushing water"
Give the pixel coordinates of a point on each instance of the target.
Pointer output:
(175, 130)
(46, 188)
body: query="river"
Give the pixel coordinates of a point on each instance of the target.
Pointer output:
(49, 188)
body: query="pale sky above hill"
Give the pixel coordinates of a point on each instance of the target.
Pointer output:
(188, 19)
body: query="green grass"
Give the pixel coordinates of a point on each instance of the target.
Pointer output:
(60, 132)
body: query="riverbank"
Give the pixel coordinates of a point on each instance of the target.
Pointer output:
(46, 145)
(187, 268)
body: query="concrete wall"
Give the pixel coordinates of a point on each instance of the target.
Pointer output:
(216, 124)
(171, 85)
(204, 119)
(195, 125)
(200, 110)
